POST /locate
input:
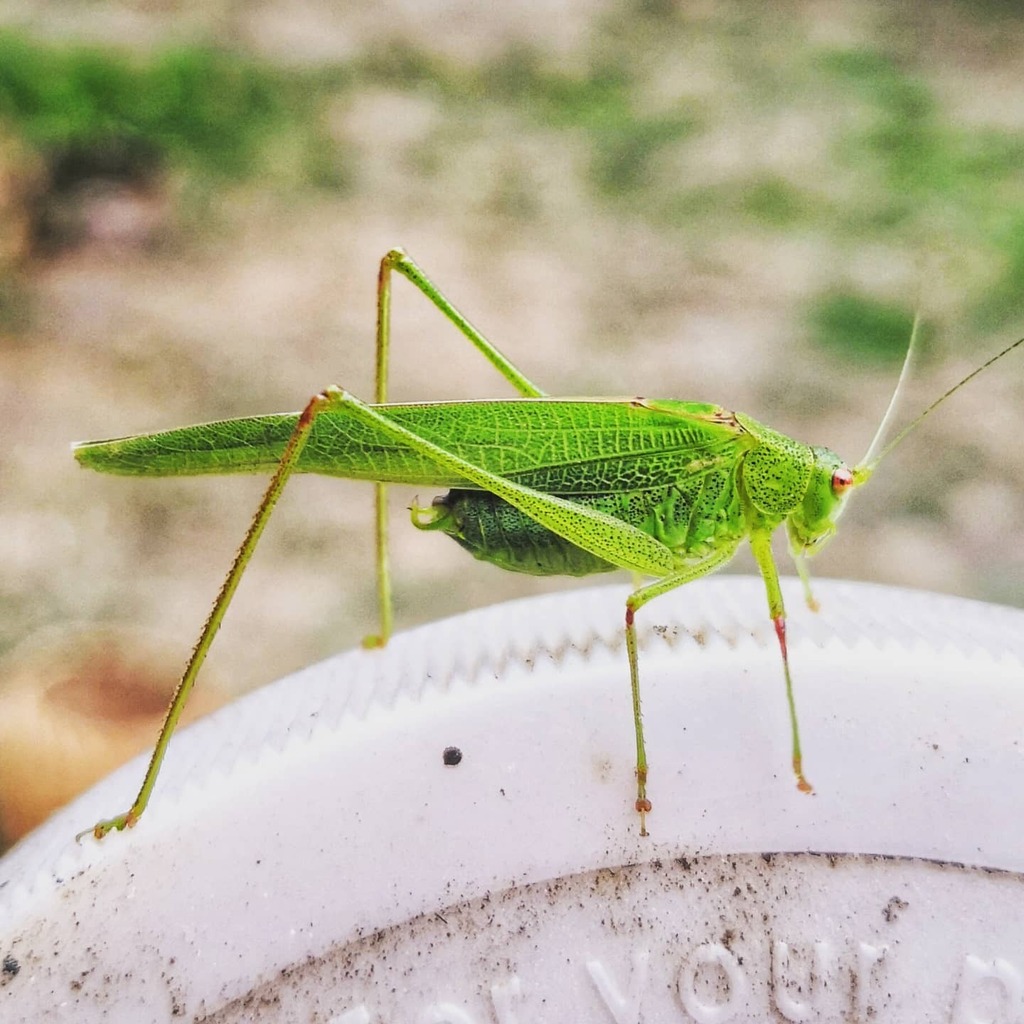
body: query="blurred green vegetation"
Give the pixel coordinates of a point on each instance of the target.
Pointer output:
(911, 178)
(601, 103)
(902, 173)
(205, 110)
(859, 326)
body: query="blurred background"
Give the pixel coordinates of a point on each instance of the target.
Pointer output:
(718, 201)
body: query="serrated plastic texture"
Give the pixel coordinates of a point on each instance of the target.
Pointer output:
(310, 856)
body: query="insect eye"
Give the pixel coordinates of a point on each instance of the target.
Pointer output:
(842, 479)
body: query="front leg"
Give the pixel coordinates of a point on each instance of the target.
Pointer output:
(761, 545)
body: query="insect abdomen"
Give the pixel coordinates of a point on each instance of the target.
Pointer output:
(691, 517)
(494, 531)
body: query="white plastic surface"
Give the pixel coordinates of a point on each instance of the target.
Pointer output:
(309, 857)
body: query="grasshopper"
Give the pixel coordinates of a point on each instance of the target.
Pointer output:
(539, 485)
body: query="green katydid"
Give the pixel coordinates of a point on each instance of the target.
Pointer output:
(546, 486)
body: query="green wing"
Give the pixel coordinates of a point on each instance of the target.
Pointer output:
(558, 446)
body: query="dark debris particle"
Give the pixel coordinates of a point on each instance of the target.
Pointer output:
(892, 910)
(10, 966)
(451, 756)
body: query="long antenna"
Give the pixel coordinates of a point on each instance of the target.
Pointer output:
(871, 460)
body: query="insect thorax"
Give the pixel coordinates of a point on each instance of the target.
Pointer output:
(777, 472)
